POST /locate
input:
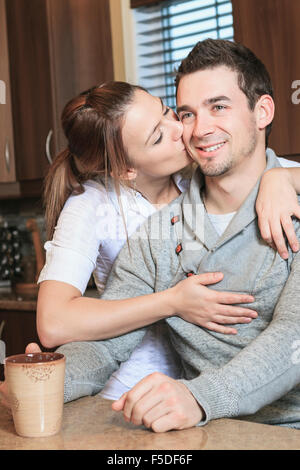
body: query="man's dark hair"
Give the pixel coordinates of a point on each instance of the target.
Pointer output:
(253, 77)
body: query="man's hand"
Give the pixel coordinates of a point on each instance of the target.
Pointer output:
(4, 395)
(160, 403)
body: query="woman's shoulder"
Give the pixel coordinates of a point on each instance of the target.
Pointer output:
(286, 163)
(94, 193)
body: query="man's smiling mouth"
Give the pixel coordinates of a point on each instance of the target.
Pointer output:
(212, 148)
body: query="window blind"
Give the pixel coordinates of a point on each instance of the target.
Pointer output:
(166, 33)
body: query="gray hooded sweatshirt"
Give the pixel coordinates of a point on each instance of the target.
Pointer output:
(252, 375)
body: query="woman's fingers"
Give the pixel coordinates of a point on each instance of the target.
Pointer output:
(232, 298)
(278, 239)
(209, 278)
(235, 312)
(290, 233)
(225, 330)
(219, 325)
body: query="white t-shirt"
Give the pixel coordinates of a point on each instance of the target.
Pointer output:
(88, 237)
(89, 234)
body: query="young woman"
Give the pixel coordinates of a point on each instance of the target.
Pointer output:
(123, 162)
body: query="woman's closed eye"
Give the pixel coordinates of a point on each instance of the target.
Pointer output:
(160, 137)
(158, 141)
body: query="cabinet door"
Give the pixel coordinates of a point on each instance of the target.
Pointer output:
(57, 48)
(80, 49)
(30, 78)
(18, 329)
(7, 160)
(270, 29)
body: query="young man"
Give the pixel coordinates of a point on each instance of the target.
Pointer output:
(225, 103)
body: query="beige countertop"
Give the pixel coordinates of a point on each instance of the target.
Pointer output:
(89, 423)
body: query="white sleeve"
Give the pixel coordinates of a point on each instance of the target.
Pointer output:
(288, 163)
(72, 253)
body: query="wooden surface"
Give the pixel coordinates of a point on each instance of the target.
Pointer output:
(270, 29)
(80, 52)
(53, 50)
(89, 423)
(28, 43)
(143, 3)
(6, 134)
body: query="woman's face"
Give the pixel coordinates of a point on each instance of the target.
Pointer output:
(152, 136)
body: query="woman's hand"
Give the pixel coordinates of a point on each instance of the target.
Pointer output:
(4, 395)
(209, 308)
(276, 203)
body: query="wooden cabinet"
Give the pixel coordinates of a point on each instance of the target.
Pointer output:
(7, 159)
(270, 29)
(54, 49)
(18, 328)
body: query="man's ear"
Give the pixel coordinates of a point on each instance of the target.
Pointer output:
(265, 109)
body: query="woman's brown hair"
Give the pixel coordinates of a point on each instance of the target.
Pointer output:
(92, 123)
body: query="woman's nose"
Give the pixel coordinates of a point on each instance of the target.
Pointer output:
(174, 124)
(178, 130)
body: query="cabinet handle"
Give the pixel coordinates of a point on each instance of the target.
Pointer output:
(7, 157)
(48, 140)
(2, 327)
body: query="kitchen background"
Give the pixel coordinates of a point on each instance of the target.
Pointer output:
(50, 50)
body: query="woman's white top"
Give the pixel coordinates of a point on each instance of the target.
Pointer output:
(88, 237)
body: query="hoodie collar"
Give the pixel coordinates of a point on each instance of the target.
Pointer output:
(134, 201)
(193, 209)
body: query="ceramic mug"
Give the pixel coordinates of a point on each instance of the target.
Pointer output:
(36, 392)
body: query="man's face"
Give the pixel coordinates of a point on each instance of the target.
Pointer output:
(219, 130)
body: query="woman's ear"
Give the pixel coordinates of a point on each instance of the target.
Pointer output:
(265, 108)
(128, 175)
(131, 174)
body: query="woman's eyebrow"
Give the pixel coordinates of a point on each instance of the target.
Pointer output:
(155, 127)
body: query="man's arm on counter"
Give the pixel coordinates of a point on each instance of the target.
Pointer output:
(263, 371)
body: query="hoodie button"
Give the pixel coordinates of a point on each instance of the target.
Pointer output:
(175, 219)
(190, 274)
(178, 249)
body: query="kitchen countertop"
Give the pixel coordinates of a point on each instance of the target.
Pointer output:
(15, 301)
(90, 424)
(27, 302)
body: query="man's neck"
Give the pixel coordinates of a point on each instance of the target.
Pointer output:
(159, 191)
(226, 193)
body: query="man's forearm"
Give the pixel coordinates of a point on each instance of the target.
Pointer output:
(89, 364)
(263, 371)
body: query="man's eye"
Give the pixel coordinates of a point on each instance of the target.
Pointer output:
(166, 111)
(183, 116)
(219, 107)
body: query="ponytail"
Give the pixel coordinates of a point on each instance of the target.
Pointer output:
(92, 124)
(60, 182)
